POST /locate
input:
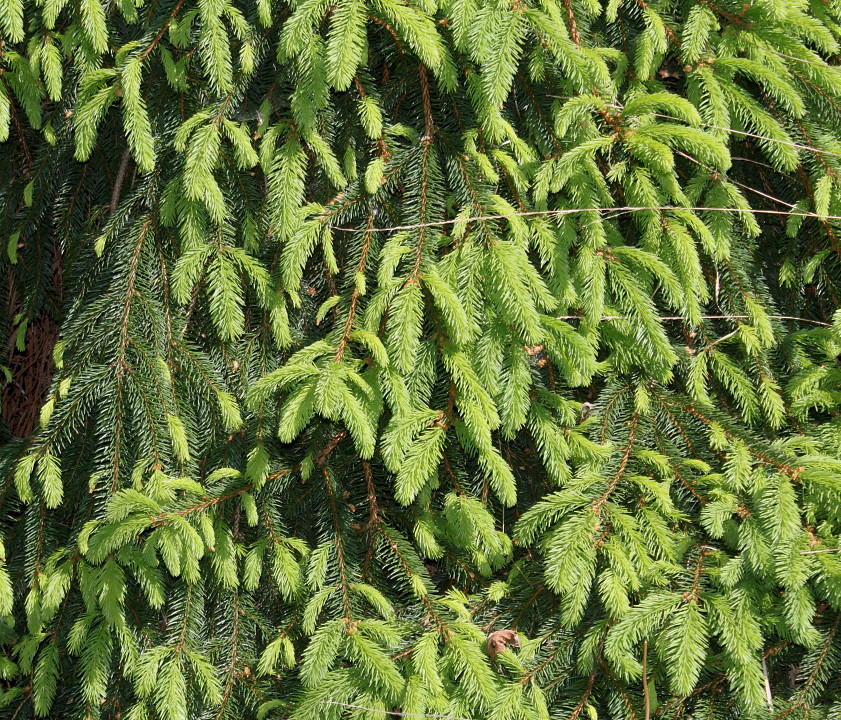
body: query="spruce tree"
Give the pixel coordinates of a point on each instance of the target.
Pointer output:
(399, 358)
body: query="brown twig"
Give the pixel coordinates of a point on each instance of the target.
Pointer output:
(118, 183)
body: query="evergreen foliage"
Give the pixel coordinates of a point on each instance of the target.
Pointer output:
(364, 329)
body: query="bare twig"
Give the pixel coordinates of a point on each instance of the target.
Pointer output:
(118, 184)
(645, 695)
(572, 211)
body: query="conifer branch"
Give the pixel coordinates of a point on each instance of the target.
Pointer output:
(629, 446)
(340, 553)
(573, 28)
(164, 27)
(354, 297)
(595, 326)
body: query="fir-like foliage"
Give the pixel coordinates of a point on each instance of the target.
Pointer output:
(343, 335)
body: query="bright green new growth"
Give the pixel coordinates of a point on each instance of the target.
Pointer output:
(367, 329)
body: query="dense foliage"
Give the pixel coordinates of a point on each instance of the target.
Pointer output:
(343, 333)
